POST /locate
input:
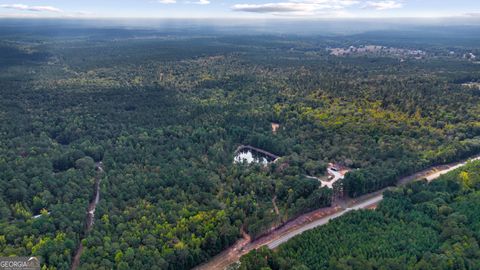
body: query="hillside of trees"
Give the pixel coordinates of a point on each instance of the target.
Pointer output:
(421, 226)
(165, 115)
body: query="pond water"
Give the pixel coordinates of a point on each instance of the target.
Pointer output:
(472, 85)
(250, 156)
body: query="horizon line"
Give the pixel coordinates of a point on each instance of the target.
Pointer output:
(464, 17)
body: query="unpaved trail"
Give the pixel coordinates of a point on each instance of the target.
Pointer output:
(318, 218)
(275, 207)
(90, 218)
(232, 252)
(335, 173)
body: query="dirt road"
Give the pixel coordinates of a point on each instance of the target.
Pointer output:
(90, 218)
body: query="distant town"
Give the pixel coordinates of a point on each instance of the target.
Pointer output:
(377, 50)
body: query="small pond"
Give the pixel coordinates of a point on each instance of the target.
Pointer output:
(250, 156)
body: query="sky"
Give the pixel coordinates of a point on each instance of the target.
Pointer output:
(308, 9)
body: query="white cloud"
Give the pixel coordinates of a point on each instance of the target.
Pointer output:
(383, 5)
(167, 1)
(472, 14)
(297, 7)
(202, 2)
(273, 7)
(31, 8)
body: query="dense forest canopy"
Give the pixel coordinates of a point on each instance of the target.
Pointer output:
(421, 226)
(164, 112)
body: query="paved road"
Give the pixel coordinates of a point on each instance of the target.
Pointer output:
(430, 176)
(223, 260)
(323, 221)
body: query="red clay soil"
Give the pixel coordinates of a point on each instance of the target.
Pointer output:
(76, 258)
(245, 245)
